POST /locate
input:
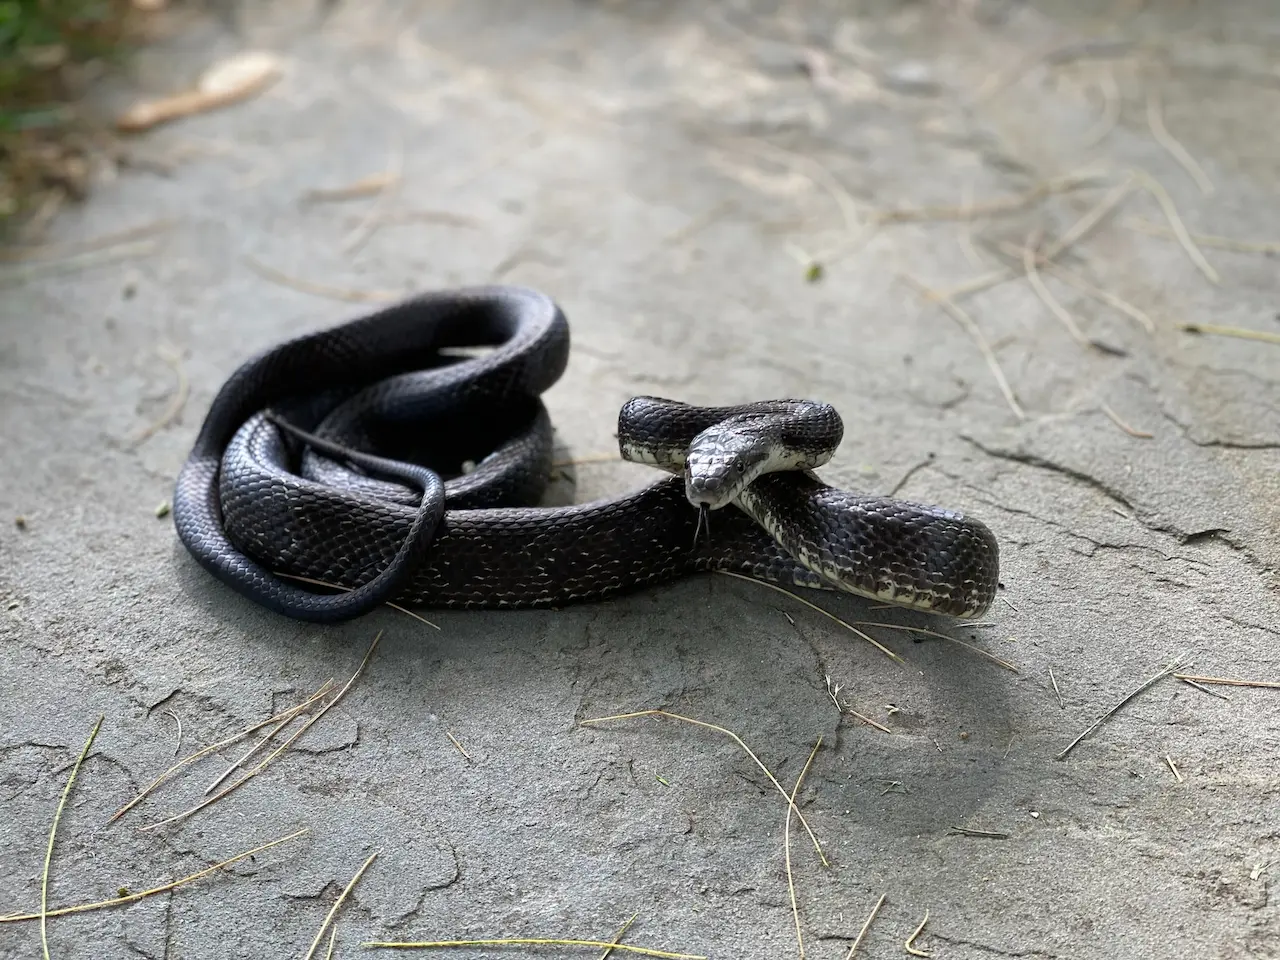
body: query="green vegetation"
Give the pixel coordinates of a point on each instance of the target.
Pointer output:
(46, 49)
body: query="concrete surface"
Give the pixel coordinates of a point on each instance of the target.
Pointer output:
(664, 170)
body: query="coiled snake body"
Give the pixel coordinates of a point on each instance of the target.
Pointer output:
(283, 478)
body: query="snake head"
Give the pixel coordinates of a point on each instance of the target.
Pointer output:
(720, 463)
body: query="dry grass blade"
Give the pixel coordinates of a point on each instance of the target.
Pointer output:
(220, 745)
(786, 844)
(1240, 333)
(364, 187)
(1056, 692)
(333, 937)
(826, 613)
(1047, 298)
(1202, 688)
(1150, 681)
(333, 586)
(311, 721)
(1206, 239)
(1000, 661)
(736, 739)
(528, 942)
(618, 938)
(1157, 190)
(53, 833)
(177, 747)
(318, 289)
(809, 167)
(143, 894)
(1155, 120)
(262, 742)
(1226, 681)
(970, 326)
(909, 946)
(1131, 431)
(333, 911)
(1172, 768)
(857, 942)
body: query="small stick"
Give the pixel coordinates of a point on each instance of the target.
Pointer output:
(970, 326)
(1131, 431)
(786, 845)
(143, 894)
(826, 613)
(1263, 684)
(908, 946)
(1155, 121)
(1169, 760)
(315, 944)
(1172, 666)
(454, 741)
(1054, 680)
(318, 289)
(333, 586)
(1241, 333)
(865, 927)
(530, 942)
(739, 741)
(618, 939)
(1154, 187)
(53, 833)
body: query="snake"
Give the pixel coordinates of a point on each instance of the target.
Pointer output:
(402, 456)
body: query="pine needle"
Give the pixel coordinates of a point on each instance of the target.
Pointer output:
(221, 745)
(1155, 120)
(272, 756)
(315, 944)
(53, 833)
(530, 942)
(865, 927)
(618, 939)
(1157, 190)
(1261, 684)
(786, 843)
(143, 894)
(826, 613)
(333, 586)
(1150, 681)
(1240, 333)
(739, 741)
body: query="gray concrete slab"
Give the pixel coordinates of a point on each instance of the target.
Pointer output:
(663, 170)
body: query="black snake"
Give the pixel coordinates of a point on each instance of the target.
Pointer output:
(283, 479)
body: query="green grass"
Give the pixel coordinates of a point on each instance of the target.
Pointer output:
(44, 47)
